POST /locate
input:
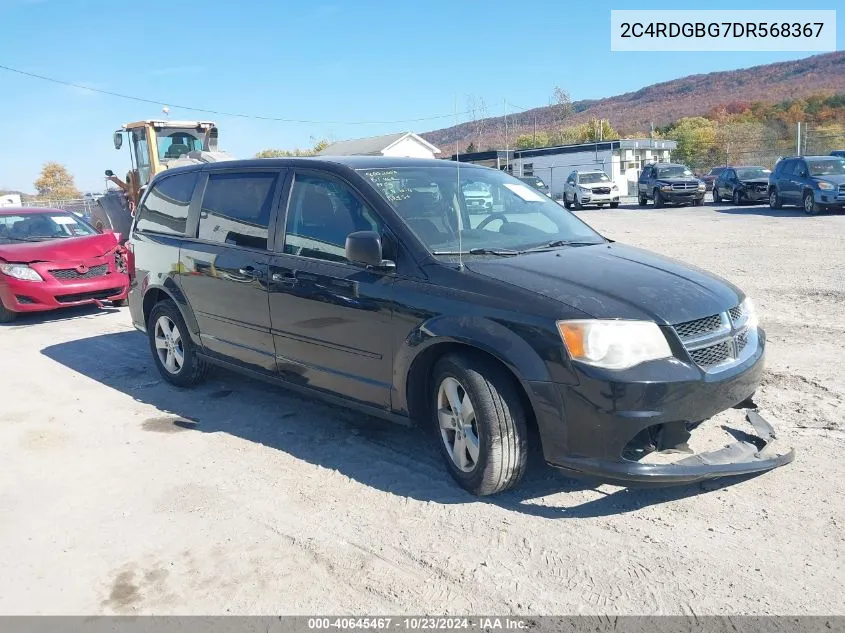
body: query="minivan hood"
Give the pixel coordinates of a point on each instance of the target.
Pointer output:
(614, 281)
(59, 249)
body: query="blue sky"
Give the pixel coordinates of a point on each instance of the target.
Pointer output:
(328, 62)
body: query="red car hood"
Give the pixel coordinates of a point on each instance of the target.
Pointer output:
(59, 249)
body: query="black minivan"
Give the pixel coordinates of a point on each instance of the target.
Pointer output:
(365, 280)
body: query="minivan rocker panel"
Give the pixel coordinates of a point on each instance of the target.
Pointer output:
(525, 316)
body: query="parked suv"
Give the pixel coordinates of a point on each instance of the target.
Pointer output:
(590, 187)
(667, 182)
(537, 183)
(338, 277)
(742, 184)
(815, 183)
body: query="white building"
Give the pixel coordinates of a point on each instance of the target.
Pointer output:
(622, 160)
(400, 144)
(10, 200)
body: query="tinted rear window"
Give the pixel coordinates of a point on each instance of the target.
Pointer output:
(165, 209)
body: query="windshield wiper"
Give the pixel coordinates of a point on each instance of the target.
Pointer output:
(558, 244)
(503, 252)
(20, 239)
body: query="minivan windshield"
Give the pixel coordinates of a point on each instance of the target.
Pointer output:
(673, 171)
(433, 203)
(827, 167)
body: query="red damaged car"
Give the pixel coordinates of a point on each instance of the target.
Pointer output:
(52, 259)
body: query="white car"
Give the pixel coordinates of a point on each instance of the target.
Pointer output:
(478, 197)
(589, 187)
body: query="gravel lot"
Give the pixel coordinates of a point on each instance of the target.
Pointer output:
(122, 494)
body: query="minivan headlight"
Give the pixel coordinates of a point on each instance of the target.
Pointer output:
(750, 312)
(20, 271)
(613, 344)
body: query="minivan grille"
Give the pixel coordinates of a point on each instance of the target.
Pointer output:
(706, 357)
(699, 327)
(717, 341)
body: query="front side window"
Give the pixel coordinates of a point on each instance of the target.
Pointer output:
(142, 154)
(236, 208)
(799, 168)
(433, 202)
(38, 227)
(165, 209)
(322, 212)
(827, 167)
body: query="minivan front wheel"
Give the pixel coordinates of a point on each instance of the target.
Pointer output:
(173, 350)
(480, 424)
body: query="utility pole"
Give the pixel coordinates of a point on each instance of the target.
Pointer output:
(798, 140)
(507, 149)
(535, 129)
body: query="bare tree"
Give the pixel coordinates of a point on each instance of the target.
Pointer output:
(478, 114)
(561, 108)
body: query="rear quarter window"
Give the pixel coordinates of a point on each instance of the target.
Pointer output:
(165, 209)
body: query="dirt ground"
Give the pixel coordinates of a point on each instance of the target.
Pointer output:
(122, 494)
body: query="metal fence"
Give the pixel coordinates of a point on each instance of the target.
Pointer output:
(79, 206)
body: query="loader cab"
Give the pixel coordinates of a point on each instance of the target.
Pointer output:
(154, 144)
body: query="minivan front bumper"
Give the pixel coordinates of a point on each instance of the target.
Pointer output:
(587, 427)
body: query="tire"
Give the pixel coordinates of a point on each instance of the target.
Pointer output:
(809, 204)
(193, 369)
(614, 205)
(575, 204)
(566, 202)
(697, 203)
(120, 303)
(736, 198)
(6, 315)
(774, 199)
(716, 197)
(643, 200)
(497, 424)
(658, 199)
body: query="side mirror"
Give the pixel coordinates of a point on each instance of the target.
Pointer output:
(118, 140)
(364, 247)
(109, 172)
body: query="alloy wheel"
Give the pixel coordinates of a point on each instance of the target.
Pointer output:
(458, 425)
(169, 347)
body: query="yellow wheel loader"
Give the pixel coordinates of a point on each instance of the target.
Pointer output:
(154, 145)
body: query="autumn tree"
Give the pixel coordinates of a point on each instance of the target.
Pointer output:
(319, 146)
(696, 137)
(56, 183)
(527, 141)
(562, 107)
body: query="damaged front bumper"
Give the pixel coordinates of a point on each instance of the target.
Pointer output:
(749, 454)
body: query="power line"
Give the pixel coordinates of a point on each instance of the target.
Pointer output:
(219, 112)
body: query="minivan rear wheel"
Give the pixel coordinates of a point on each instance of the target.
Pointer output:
(173, 350)
(480, 424)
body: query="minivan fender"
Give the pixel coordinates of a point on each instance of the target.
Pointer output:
(476, 332)
(154, 293)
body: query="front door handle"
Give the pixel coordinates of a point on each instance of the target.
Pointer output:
(250, 271)
(288, 279)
